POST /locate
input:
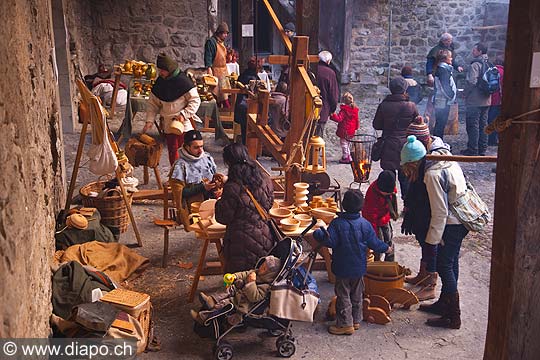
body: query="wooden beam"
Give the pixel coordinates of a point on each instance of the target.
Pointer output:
(462, 158)
(514, 294)
(297, 96)
(275, 19)
(284, 59)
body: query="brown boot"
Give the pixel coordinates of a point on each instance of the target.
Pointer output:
(452, 318)
(341, 330)
(439, 307)
(427, 287)
(422, 273)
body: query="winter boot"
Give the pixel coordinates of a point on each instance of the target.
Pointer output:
(427, 287)
(341, 330)
(452, 318)
(439, 307)
(422, 273)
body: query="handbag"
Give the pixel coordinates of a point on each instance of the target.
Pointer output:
(288, 302)
(377, 149)
(470, 209)
(276, 233)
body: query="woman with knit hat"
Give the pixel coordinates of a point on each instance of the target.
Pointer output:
(215, 60)
(393, 116)
(444, 181)
(173, 97)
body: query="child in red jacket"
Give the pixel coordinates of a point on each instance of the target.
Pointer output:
(380, 207)
(348, 123)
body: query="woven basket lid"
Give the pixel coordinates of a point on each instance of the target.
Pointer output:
(77, 221)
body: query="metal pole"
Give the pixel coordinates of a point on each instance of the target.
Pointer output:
(389, 40)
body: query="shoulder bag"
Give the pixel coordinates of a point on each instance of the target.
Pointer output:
(470, 209)
(291, 303)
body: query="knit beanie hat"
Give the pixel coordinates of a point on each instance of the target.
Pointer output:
(413, 150)
(398, 85)
(222, 28)
(353, 201)
(273, 264)
(290, 27)
(166, 63)
(386, 182)
(419, 129)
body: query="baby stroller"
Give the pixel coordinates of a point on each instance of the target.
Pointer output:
(289, 251)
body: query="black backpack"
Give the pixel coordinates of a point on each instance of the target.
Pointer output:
(489, 79)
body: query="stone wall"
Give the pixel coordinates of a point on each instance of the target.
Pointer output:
(416, 26)
(31, 167)
(111, 31)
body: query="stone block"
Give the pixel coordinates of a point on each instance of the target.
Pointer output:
(179, 39)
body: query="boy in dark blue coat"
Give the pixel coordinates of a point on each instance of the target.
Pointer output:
(349, 236)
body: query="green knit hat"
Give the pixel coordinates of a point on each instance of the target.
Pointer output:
(166, 63)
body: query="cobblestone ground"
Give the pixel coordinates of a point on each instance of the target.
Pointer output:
(406, 337)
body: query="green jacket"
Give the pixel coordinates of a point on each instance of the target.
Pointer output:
(210, 50)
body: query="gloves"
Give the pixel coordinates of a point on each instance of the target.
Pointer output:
(406, 225)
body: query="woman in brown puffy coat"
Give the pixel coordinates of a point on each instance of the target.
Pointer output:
(247, 237)
(393, 116)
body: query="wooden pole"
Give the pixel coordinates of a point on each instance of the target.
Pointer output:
(117, 76)
(75, 171)
(462, 158)
(514, 296)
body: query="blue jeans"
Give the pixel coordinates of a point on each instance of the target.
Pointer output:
(448, 257)
(441, 118)
(494, 111)
(476, 121)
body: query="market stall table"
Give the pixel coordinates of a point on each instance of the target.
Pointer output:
(217, 231)
(208, 111)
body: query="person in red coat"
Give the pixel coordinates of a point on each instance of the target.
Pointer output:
(380, 206)
(347, 120)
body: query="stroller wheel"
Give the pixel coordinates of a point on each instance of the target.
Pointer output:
(224, 351)
(285, 346)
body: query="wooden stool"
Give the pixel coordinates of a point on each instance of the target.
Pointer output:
(207, 267)
(315, 156)
(146, 176)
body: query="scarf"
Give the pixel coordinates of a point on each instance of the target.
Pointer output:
(190, 157)
(174, 86)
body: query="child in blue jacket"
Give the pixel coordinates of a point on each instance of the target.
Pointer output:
(349, 236)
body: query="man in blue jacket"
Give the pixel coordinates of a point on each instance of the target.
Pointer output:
(349, 236)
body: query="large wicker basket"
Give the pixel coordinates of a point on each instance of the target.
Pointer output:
(112, 208)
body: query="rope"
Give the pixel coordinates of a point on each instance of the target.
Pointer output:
(500, 125)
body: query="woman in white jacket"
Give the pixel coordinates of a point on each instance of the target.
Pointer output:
(174, 97)
(444, 182)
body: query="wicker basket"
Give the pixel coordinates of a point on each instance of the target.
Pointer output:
(112, 208)
(135, 304)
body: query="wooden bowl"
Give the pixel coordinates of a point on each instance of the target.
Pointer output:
(290, 224)
(301, 185)
(302, 210)
(280, 213)
(304, 219)
(285, 205)
(325, 215)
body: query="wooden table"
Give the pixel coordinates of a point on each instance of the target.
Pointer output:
(213, 267)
